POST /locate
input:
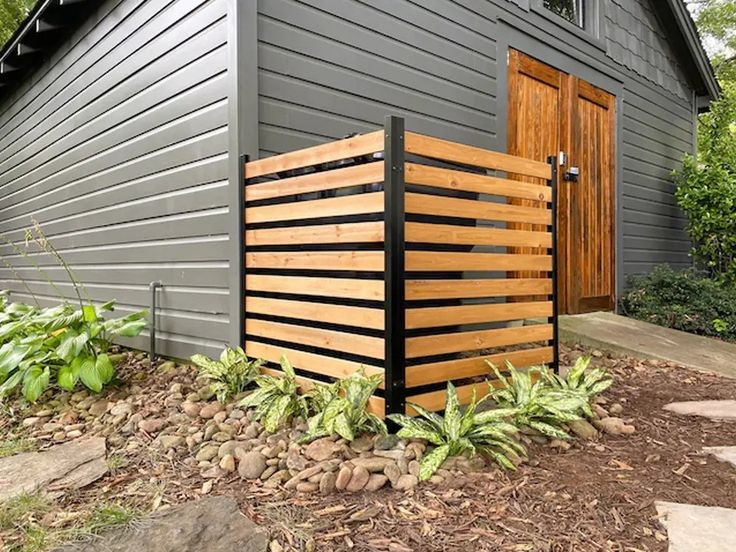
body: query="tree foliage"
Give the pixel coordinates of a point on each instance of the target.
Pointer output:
(12, 13)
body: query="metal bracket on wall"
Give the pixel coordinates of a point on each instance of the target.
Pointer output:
(154, 287)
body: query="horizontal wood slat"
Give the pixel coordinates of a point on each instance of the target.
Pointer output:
(468, 289)
(317, 260)
(419, 232)
(426, 204)
(354, 232)
(442, 261)
(376, 405)
(360, 317)
(357, 204)
(311, 362)
(323, 153)
(458, 342)
(346, 177)
(445, 150)
(433, 317)
(317, 337)
(448, 179)
(437, 372)
(350, 288)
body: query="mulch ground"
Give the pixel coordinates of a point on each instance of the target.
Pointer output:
(595, 496)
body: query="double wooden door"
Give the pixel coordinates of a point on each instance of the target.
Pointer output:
(552, 112)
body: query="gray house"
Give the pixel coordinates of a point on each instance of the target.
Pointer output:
(122, 123)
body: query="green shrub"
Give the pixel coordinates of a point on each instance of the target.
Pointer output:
(684, 301)
(277, 399)
(454, 433)
(341, 408)
(536, 404)
(229, 375)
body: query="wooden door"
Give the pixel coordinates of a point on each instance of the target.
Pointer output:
(549, 112)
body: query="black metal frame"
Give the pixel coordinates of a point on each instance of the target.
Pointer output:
(552, 182)
(394, 247)
(241, 246)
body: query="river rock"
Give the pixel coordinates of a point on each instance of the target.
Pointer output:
(358, 479)
(376, 481)
(616, 426)
(321, 449)
(99, 408)
(372, 463)
(364, 443)
(152, 425)
(583, 429)
(328, 483)
(406, 482)
(252, 465)
(343, 477)
(210, 410)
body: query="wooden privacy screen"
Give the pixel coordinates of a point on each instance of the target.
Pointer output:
(390, 251)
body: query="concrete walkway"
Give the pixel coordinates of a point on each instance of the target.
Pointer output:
(608, 331)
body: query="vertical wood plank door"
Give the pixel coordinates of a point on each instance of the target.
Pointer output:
(592, 211)
(548, 112)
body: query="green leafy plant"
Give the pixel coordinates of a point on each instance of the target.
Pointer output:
(229, 375)
(579, 380)
(683, 300)
(61, 344)
(536, 404)
(277, 399)
(456, 432)
(341, 408)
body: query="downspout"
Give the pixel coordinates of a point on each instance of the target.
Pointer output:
(154, 287)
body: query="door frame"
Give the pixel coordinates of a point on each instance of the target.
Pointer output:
(511, 37)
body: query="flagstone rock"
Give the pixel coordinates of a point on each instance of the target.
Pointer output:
(725, 454)
(72, 465)
(693, 528)
(716, 410)
(214, 524)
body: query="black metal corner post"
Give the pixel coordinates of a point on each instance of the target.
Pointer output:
(394, 246)
(552, 182)
(241, 246)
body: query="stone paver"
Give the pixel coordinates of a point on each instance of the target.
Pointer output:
(724, 454)
(72, 465)
(716, 410)
(210, 524)
(609, 331)
(698, 528)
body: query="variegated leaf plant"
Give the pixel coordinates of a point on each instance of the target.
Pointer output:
(277, 399)
(587, 383)
(229, 375)
(456, 432)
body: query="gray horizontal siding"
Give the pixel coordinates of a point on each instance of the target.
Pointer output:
(118, 146)
(330, 68)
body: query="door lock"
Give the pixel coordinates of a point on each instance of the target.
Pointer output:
(571, 175)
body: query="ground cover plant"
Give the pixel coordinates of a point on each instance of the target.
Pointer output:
(684, 300)
(277, 399)
(229, 375)
(60, 345)
(341, 408)
(458, 431)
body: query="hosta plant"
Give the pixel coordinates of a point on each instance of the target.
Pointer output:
(536, 405)
(456, 432)
(229, 375)
(277, 399)
(579, 379)
(341, 408)
(61, 345)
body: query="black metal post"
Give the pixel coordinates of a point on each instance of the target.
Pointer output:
(241, 246)
(394, 246)
(552, 160)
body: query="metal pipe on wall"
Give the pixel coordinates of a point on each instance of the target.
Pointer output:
(154, 287)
